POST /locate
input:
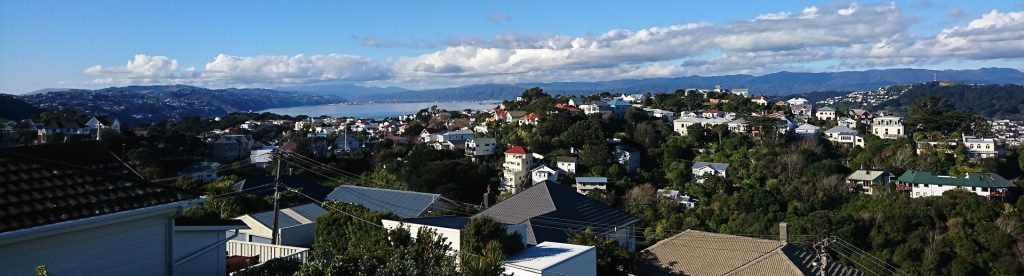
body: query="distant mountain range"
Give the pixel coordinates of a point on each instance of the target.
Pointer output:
(161, 102)
(774, 84)
(136, 104)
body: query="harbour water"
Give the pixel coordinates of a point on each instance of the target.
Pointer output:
(377, 110)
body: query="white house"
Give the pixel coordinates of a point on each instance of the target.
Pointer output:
(566, 165)
(700, 169)
(295, 225)
(797, 101)
(97, 124)
(543, 173)
(826, 113)
(516, 168)
(457, 135)
(479, 147)
(847, 122)
(923, 184)
(982, 147)
(807, 130)
(842, 135)
(552, 258)
(586, 184)
(576, 101)
(888, 127)
(685, 200)
(761, 100)
(869, 181)
(682, 124)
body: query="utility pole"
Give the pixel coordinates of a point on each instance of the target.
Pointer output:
(274, 239)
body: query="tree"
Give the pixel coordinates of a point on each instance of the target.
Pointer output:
(594, 155)
(612, 258)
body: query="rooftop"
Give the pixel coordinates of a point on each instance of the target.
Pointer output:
(516, 150)
(712, 165)
(547, 254)
(405, 204)
(866, 175)
(39, 191)
(980, 180)
(702, 253)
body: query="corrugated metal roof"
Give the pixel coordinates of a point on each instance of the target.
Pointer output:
(405, 204)
(981, 180)
(309, 212)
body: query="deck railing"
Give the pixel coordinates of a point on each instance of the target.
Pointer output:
(266, 251)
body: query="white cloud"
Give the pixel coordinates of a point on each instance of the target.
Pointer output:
(809, 12)
(848, 10)
(772, 16)
(849, 37)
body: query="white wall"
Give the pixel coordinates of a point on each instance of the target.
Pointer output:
(452, 236)
(919, 190)
(133, 247)
(210, 262)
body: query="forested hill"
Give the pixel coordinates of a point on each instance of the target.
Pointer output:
(12, 108)
(992, 101)
(137, 104)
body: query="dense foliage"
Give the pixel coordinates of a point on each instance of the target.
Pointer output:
(991, 101)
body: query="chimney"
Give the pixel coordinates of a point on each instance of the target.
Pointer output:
(487, 197)
(782, 232)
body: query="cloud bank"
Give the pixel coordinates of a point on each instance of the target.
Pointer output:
(849, 37)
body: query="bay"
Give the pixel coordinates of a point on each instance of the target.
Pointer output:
(377, 110)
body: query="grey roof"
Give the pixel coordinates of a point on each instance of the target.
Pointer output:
(841, 130)
(867, 175)
(826, 108)
(712, 165)
(808, 127)
(309, 211)
(545, 208)
(405, 204)
(458, 132)
(517, 114)
(591, 179)
(567, 159)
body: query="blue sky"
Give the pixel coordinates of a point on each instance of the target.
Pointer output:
(443, 43)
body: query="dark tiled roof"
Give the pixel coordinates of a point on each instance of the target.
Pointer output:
(35, 191)
(550, 211)
(405, 204)
(91, 155)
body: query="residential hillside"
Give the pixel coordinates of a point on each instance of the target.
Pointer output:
(774, 84)
(12, 108)
(991, 101)
(137, 104)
